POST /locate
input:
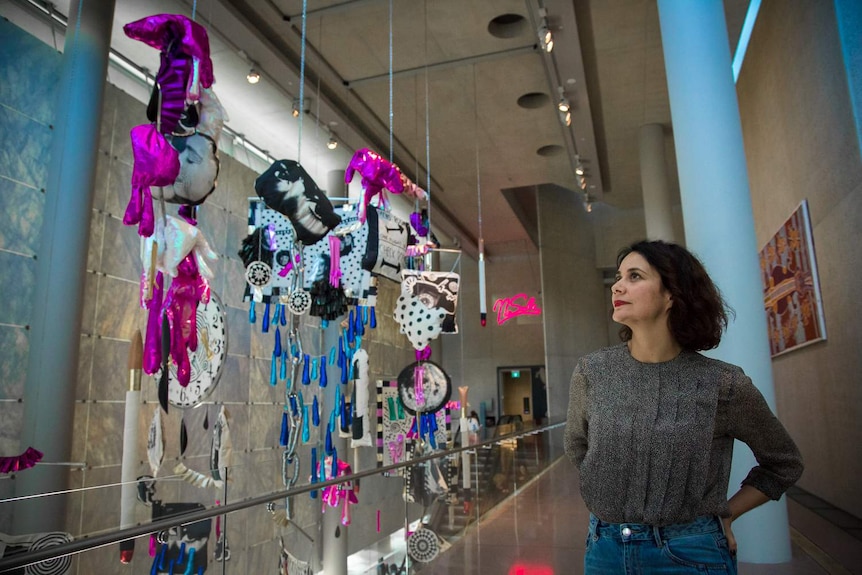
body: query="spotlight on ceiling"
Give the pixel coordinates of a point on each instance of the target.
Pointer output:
(588, 202)
(582, 182)
(332, 143)
(579, 169)
(546, 38)
(253, 76)
(563, 104)
(566, 118)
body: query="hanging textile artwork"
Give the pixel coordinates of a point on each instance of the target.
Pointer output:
(387, 244)
(288, 189)
(283, 259)
(14, 544)
(396, 427)
(437, 291)
(183, 546)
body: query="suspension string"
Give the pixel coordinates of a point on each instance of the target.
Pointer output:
(194, 9)
(427, 124)
(391, 76)
(301, 104)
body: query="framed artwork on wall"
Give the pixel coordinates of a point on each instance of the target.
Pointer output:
(791, 287)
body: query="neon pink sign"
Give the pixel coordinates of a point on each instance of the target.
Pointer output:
(510, 307)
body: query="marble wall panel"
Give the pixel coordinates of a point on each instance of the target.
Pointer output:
(88, 313)
(100, 179)
(30, 71)
(104, 436)
(121, 258)
(22, 208)
(233, 384)
(11, 421)
(128, 114)
(234, 287)
(25, 148)
(239, 331)
(97, 235)
(17, 284)
(117, 312)
(212, 221)
(118, 186)
(101, 506)
(85, 367)
(106, 124)
(264, 426)
(14, 344)
(259, 388)
(110, 375)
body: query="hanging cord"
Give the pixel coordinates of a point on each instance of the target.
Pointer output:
(391, 112)
(301, 104)
(427, 124)
(194, 9)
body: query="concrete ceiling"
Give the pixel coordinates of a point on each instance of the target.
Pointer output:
(451, 74)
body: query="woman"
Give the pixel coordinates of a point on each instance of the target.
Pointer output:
(651, 425)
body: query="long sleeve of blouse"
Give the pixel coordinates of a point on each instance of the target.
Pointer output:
(654, 442)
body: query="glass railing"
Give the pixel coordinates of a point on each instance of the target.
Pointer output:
(382, 518)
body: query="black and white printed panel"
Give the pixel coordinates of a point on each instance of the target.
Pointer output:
(353, 239)
(387, 244)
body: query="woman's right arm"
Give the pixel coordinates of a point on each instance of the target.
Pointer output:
(577, 422)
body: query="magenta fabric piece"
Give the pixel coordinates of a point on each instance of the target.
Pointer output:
(167, 31)
(334, 261)
(156, 164)
(423, 354)
(26, 460)
(152, 343)
(173, 81)
(416, 222)
(187, 289)
(342, 493)
(378, 176)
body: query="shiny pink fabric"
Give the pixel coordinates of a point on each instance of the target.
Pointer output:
(342, 493)
(378, 176)
(152, 342)
(26, 460)
(187, 289)
(156, 164)
(161, 30)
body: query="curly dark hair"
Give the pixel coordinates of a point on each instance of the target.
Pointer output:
(699, 313)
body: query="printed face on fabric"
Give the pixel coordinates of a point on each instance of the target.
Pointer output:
(638, 295)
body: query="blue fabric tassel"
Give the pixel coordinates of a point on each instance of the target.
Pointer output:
(293, 407)
(373, 321)
(265, 325)
(285, 431)
(313, 368)
(324, 380)
(277, 341)
(358, 328)
(273, 370)
(306, 435)
(345, 416)
(315, 412)
(284, 315)
(334, 470)
(306, 378)
(350, 332)
(252, 316)
(283, 373)
(328, 443)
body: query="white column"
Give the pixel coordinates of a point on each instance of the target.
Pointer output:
(719, 222)
(654, 183)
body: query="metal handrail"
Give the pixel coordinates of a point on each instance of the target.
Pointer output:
(85, 543)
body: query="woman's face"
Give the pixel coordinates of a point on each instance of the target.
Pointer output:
(638, 296)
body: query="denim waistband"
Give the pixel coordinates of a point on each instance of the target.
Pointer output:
(643, 531)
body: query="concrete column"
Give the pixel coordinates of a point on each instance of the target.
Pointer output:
(49, 393)
(719, 222)
(654, 183)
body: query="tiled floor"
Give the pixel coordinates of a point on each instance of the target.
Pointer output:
(541, 532)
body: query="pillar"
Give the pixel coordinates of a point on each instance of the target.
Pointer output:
(719, 222)
(654, 184)
(49, 393)
(848, 13)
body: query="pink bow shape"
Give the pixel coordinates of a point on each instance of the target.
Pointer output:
(378, 176)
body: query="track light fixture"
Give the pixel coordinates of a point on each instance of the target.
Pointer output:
(563, 104)
(253, 76)
(546, 38)
(566, 118)
(579, 169)
(296, 108)
(332, 143)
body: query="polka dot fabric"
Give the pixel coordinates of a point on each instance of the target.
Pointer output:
(418, 322)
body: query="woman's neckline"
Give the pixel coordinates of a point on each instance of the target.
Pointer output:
(626, 345)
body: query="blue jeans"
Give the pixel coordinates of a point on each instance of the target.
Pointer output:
(640, 549)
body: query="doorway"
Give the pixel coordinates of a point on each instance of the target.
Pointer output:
(522, 394)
